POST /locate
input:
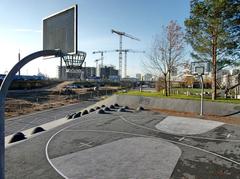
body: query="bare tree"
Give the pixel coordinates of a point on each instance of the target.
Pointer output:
(175, 47)
(166, 53)
(157, 63)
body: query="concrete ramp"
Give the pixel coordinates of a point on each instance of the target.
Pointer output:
(186, 126)
(126, 158)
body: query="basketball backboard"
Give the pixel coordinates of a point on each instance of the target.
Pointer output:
(200, 68)
(60, 31)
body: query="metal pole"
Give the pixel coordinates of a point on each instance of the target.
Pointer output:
(2, 137)
(120, 57)
(125, 65)
(102, 59)
(3, 93)
(201, 110)
(61, 68)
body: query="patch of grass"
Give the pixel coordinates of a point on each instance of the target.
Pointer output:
(177, 96)
(191, 90)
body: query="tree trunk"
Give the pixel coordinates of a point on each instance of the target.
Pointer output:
(214, 69)
(165, 84)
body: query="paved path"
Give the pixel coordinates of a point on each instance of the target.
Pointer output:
(24, 122)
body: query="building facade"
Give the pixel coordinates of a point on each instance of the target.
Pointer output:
(107, 71)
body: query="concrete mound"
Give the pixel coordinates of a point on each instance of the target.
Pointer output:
(17, 137)
(111, 107)
(116, 105)
(70, 116)
(126, 107)
(98, 108)
(37, 130)
(121, 110)
(84, 112)
(100, 111)
(107, 109)
(91, 110)
(77, 115)
(140, 108)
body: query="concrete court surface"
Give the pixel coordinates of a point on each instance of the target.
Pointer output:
(185, 125)
(125, 145)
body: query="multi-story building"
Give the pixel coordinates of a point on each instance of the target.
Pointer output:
(87, 72)
(107, 71)
(67, 74)
(139, 76)
(147, 77)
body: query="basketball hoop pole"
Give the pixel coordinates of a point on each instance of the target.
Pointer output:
(2, 136)
(3, 93)
(202, 85)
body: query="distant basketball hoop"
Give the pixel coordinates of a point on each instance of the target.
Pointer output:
(200, 68)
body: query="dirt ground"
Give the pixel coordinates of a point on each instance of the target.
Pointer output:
(228, 120)
(26, 102)
(17, 107)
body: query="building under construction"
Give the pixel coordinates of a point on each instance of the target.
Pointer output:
(106, 73)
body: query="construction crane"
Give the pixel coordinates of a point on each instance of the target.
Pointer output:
(102, 52)
(125, 60)
(120, 47)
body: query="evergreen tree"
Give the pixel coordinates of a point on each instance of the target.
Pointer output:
(213, 30)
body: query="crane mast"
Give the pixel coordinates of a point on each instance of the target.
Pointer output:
(102, 52)
(120, 47)
(125, 60)
(97, 67)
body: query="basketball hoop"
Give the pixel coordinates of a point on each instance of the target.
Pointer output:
(200, 68)
(74, 61)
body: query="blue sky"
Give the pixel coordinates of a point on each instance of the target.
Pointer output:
(21, 29)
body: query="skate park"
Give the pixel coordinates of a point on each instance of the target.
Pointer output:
(118, 140)
(105, 132)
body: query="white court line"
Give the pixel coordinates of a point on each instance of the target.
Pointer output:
(181, 139)
(86, 144)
